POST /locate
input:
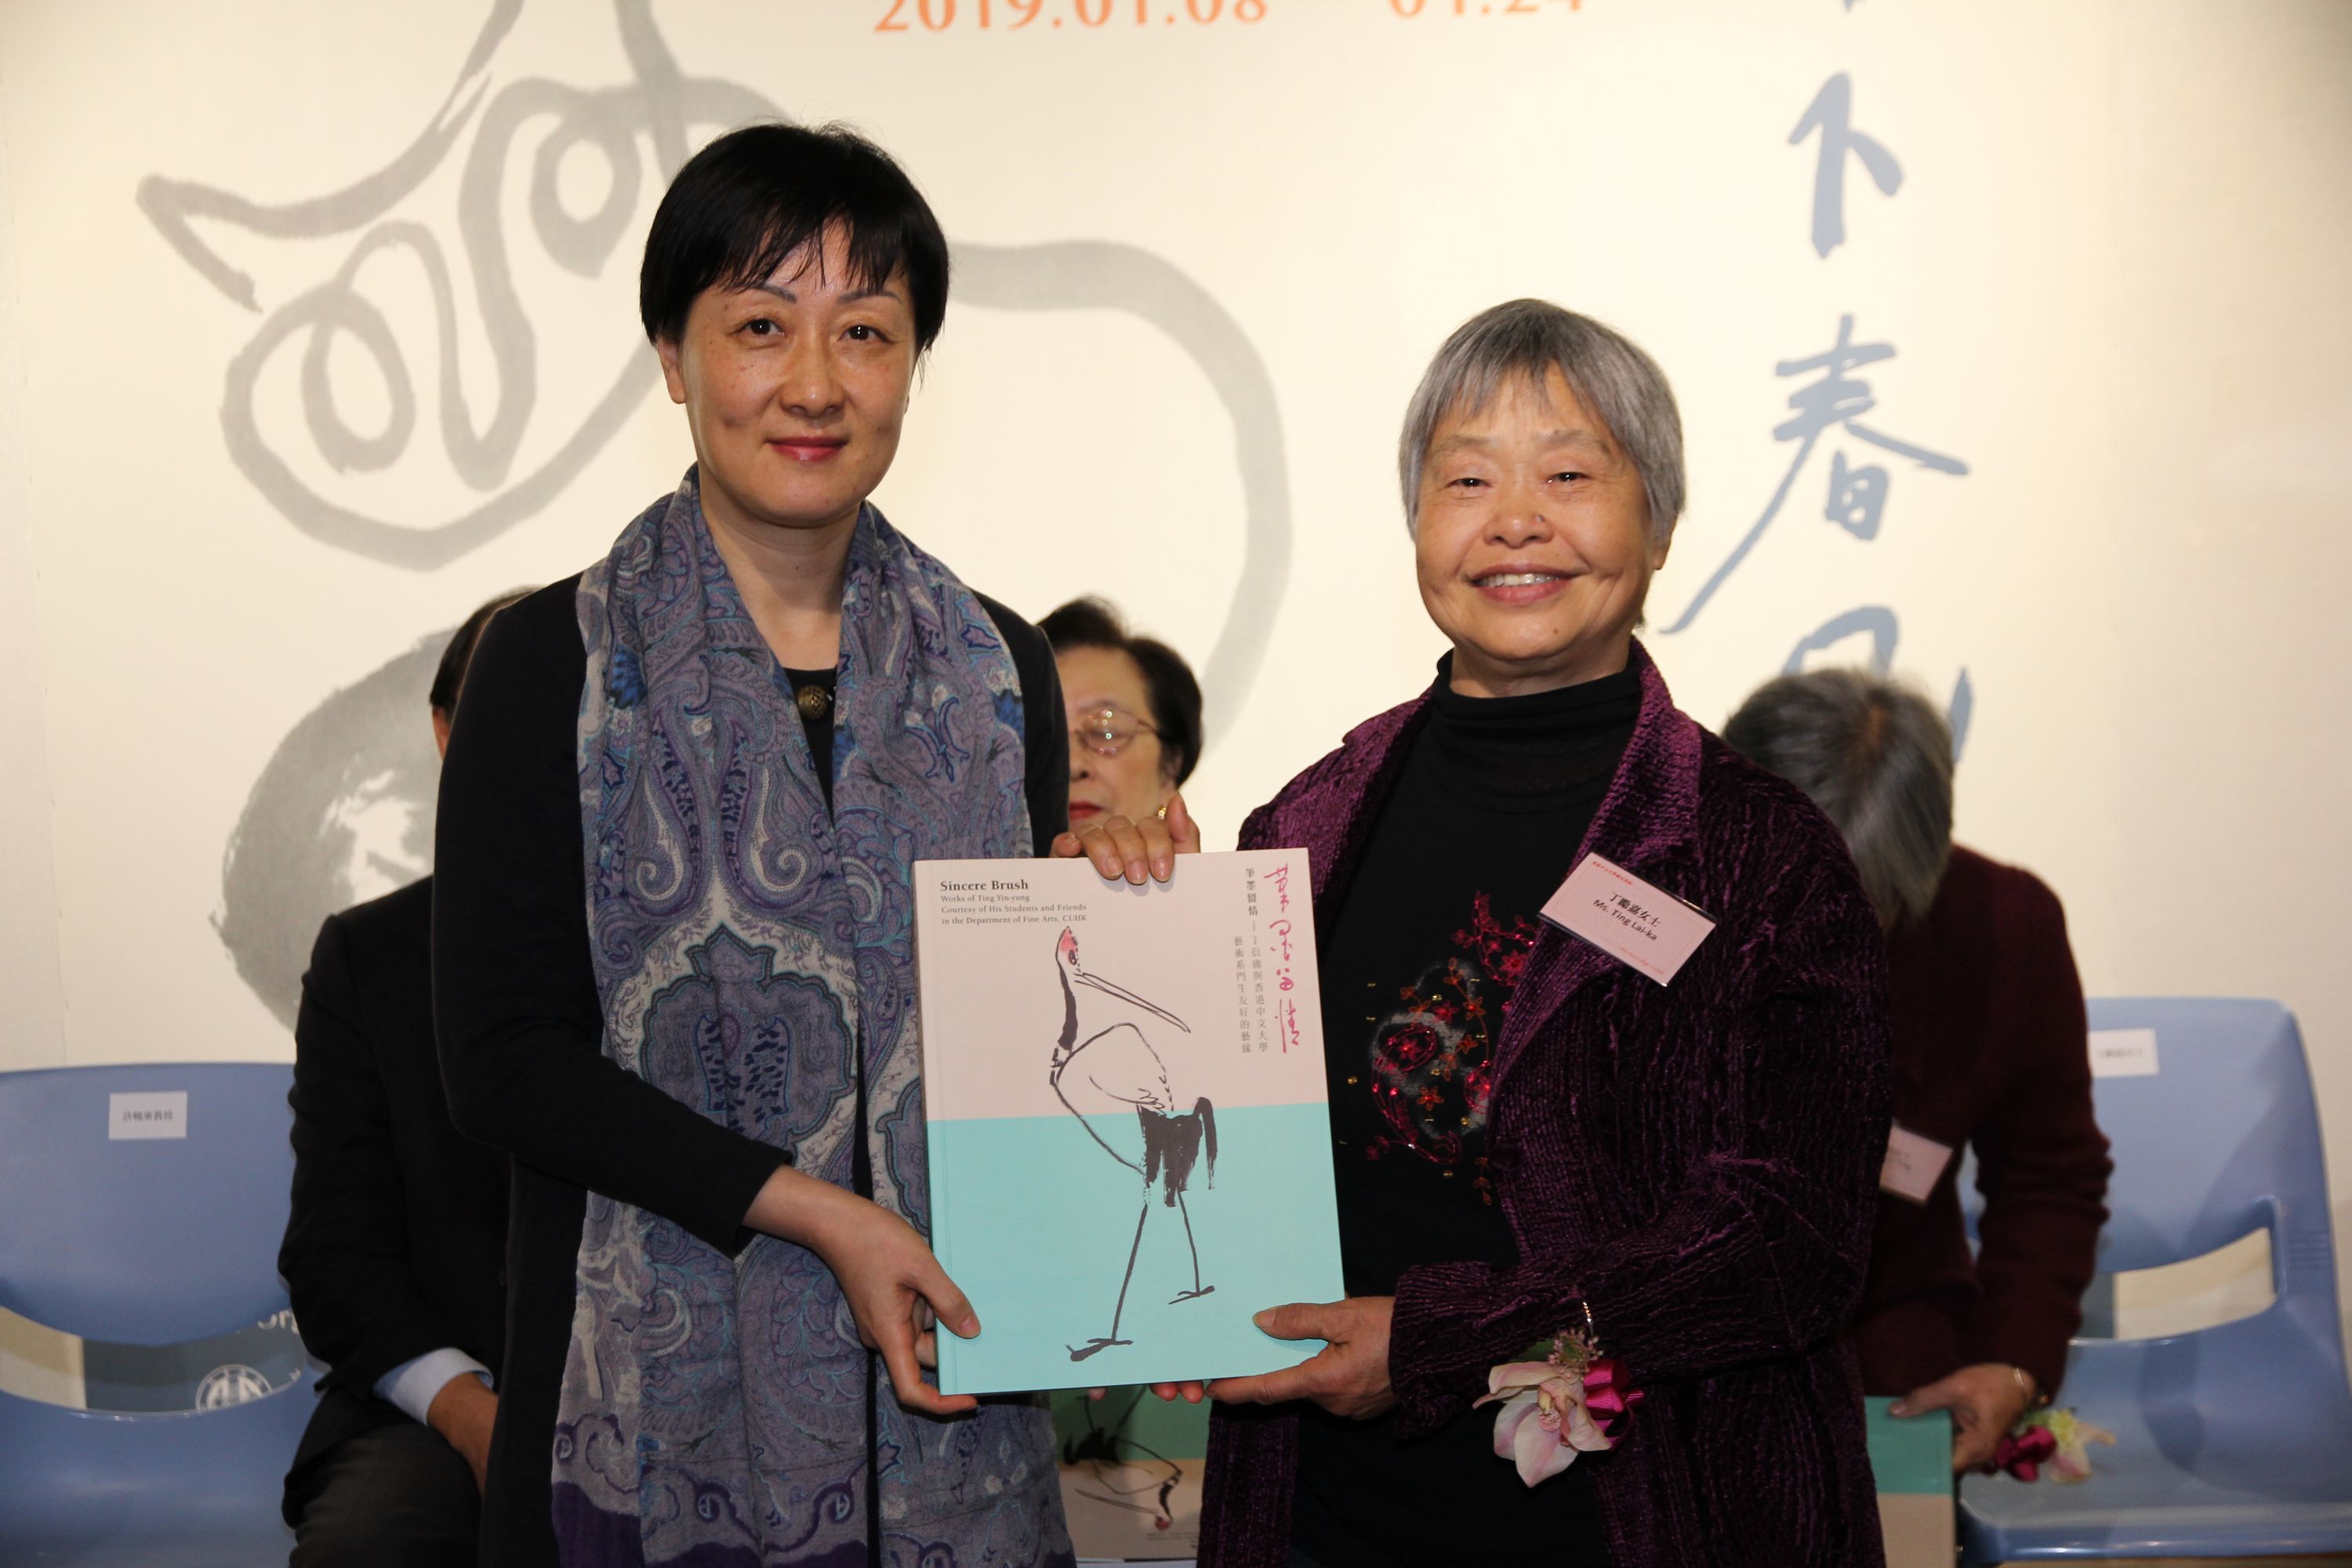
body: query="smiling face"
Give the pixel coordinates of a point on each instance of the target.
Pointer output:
(794, 388)
(1135, 782)
(1532, 541)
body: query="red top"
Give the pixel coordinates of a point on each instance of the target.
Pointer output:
(1990, 1048)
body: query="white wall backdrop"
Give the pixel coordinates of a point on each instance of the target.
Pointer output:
(317, 326)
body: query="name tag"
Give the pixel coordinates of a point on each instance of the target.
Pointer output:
(2123, 1053)
(1646, 928)
(1914, 1165)
(163, 1114)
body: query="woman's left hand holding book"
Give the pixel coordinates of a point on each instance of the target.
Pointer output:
(895, 1287)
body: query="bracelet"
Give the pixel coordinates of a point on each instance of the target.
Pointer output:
(1592, 1334)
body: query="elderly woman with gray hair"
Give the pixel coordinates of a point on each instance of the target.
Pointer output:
(1990, 1050)
(1534, 1134)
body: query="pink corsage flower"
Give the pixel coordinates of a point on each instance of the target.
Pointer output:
(2058, 1439)
(1557, 1408)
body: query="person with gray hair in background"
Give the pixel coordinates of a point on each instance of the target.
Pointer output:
(1532, 1138)
(1991, 1049)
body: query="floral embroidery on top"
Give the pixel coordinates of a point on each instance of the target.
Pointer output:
(1433, 1060)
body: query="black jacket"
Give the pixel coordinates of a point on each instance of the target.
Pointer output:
(394, 1245)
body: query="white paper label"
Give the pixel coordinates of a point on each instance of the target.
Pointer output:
(1914, 1165)
(2123, 1053)
(158, 1115)
(1647, 927)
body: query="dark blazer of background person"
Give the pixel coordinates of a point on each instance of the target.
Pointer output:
(394, 1246)
(1990, 1048)
(1990, 1052)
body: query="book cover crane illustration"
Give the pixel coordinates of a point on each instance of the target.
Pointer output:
(1131, 1152)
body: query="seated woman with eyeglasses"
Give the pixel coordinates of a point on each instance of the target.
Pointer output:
(1135, 714)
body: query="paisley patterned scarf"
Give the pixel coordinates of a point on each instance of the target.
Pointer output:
(753, 954)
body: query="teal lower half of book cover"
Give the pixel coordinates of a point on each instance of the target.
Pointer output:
(1130, 1249)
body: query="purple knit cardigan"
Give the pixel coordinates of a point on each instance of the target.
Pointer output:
(1698, 1163)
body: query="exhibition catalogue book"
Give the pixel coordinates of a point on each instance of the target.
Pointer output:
(1131, 1152)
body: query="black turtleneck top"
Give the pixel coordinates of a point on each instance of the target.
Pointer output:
(1487, 812)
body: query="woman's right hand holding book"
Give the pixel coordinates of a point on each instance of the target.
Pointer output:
(895, 1287)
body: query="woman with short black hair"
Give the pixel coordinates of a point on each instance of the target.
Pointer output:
(672, 965)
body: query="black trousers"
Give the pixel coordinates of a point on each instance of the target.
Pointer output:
(397, 1497)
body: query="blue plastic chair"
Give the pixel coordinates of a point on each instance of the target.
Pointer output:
(2232, 1441)
(146, 1241)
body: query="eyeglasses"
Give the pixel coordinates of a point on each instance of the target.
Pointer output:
(1107, 732)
